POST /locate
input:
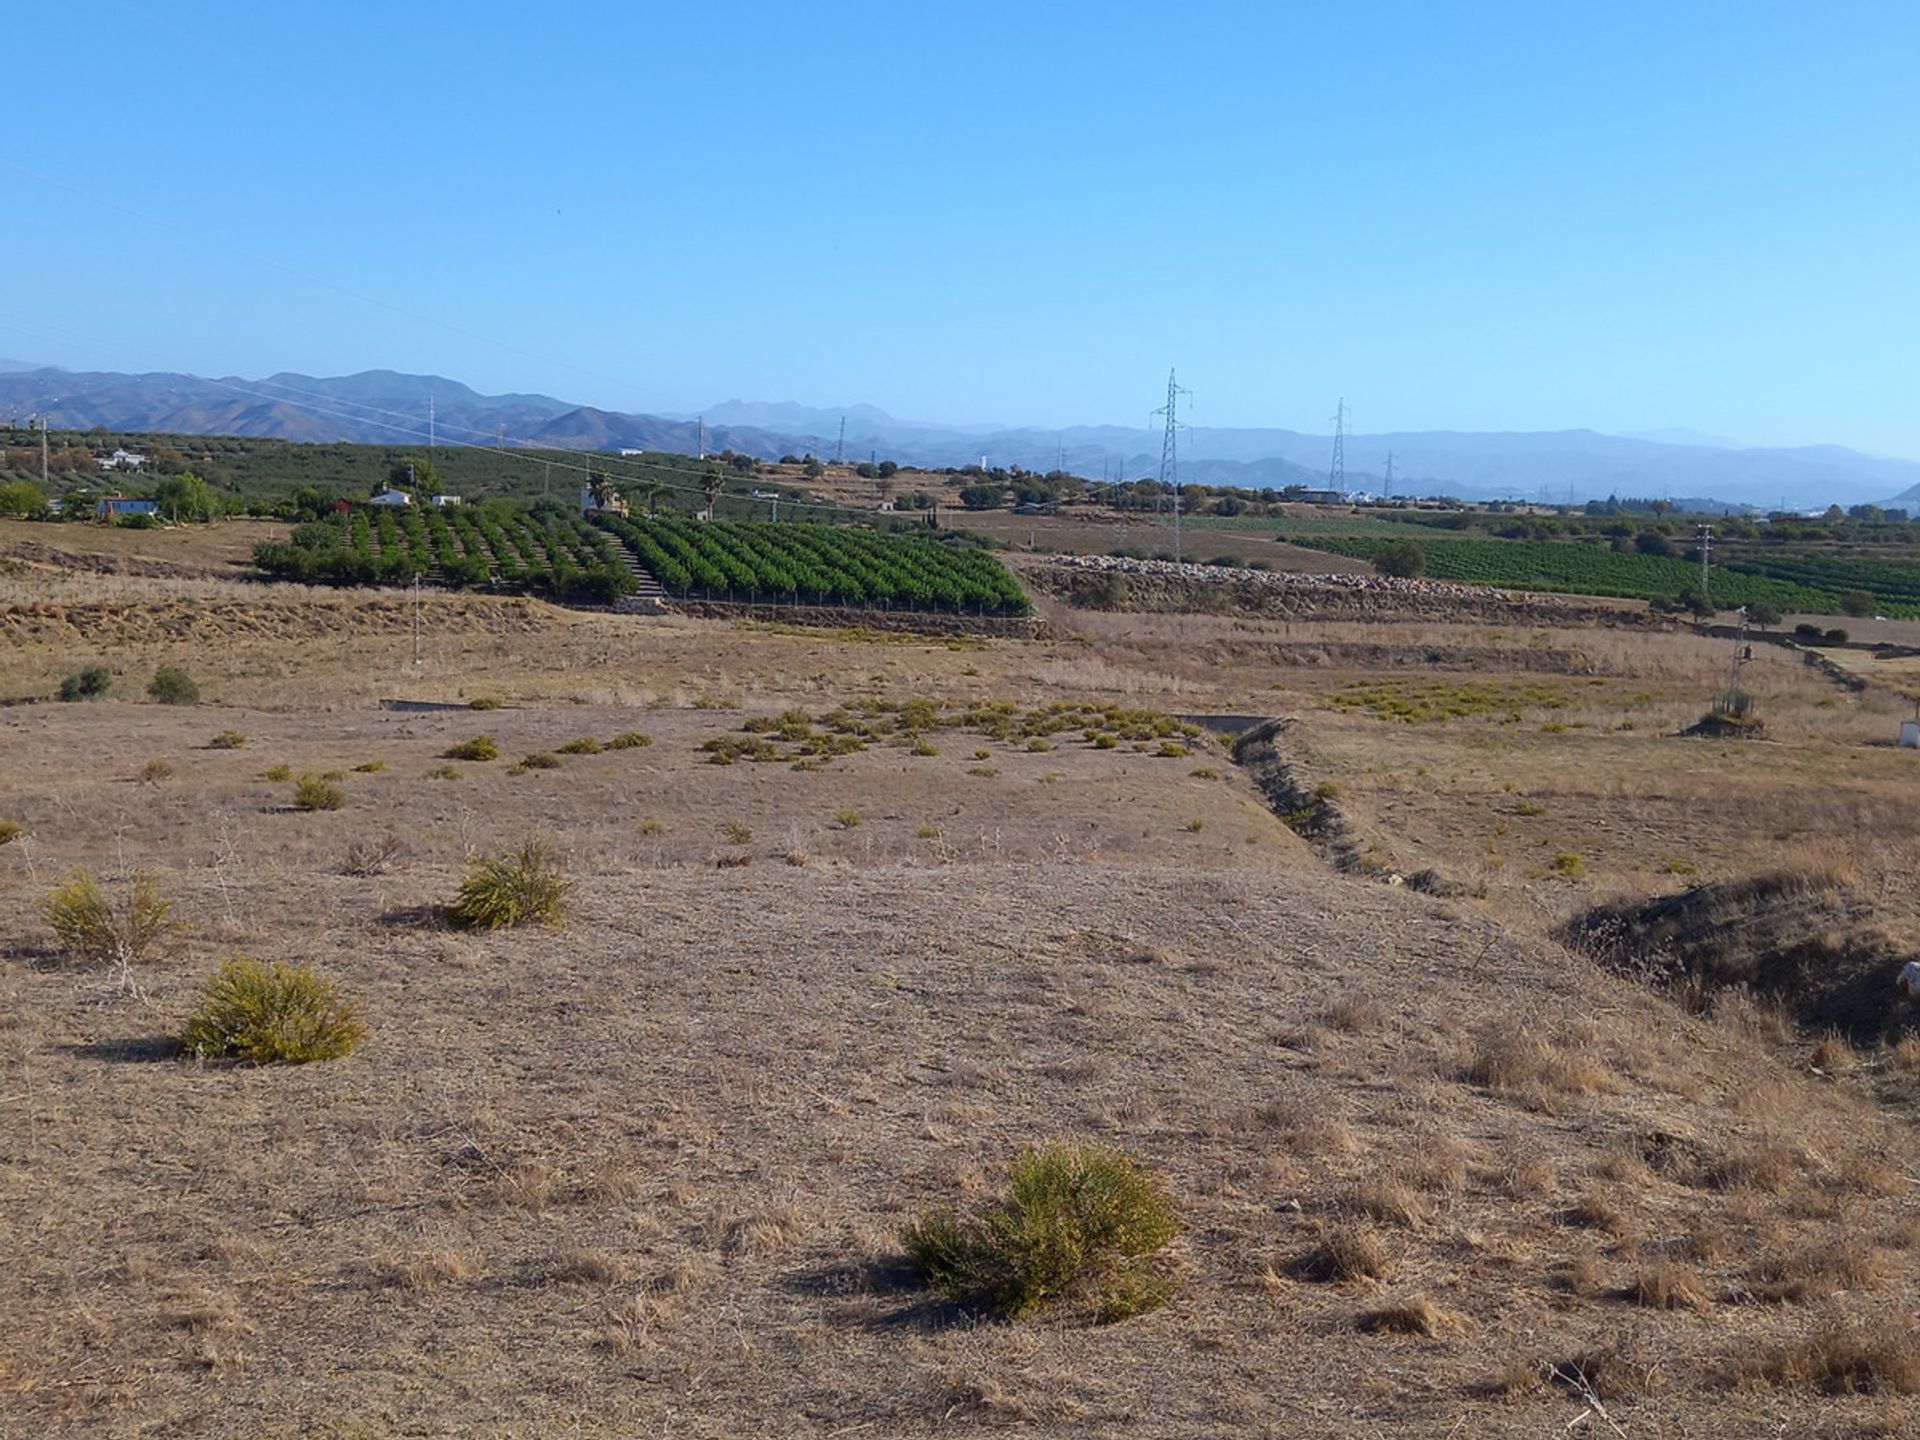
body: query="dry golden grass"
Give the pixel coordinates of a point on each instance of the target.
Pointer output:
(665, 1154)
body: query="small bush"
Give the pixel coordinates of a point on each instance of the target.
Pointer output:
(227, 740)
(585, 745)
(91, 928)
(737, 832)
(278, 774)
(540, 760)
(1039, 744)
(443, 772)
(1079, 1222)
(524, 886)
(173, 686)
(1205, 772)
(1417, 1316)
(484, 702)
(924, 747)
(1843, 1361)
(1196, 825)
(1669, 1287)
(847, 819)
(154, 771)
(313, 792)
(271, 1014)
(371, 767)
(652, 827)
(10, 830)
(629, 740)
(923, 832)
(369, 855)
(88, 684)
(1569, 864)
(480, 748)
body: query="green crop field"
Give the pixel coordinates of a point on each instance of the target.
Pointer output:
(818, 564)
(1578, 568)
(492, 544)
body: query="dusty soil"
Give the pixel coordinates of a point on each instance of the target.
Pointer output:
(646, 1174)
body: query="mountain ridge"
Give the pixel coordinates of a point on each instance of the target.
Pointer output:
(391, 407)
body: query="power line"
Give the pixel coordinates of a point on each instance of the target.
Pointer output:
(1170, 454)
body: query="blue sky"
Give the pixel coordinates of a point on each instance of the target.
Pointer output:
(1459, 216)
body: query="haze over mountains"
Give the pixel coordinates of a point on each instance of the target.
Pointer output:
(385, 407)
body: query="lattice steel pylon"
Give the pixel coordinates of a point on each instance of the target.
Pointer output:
(1170, 453)
(1337, 476)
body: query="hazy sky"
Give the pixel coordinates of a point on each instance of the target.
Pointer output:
(1458, 215)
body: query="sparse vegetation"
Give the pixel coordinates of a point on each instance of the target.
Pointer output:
(261, 1013)
(11, 830)
(154, 772)
(1079, 1222)
(585, 745)
(479, 749)
(629, 740)
(277, 774)
(525, 886)
(227, 740)
(736, 832)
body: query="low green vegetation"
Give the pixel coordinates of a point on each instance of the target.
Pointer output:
(257, 1013)
(524, 886)
(173, 686)
(316, 792)
(1428, 702)
(91, 928)
(88, 684)
(479, 749)
(227, 740)
(1079, 1223)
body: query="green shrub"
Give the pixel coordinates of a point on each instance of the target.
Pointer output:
(484, 702)
(479, 748)
(154, 771)
(539, 760)
(521, 887)
(173, 686)
(278, 774)
(91, 928)
(372, 767)
(585, 745)
(1081, 1222)
(629, 740)
(88, 684)
(847, 819)
(10, 830)
(443, 772)
(737, 831)
(271, 1014)
(227, 740)
(313, 792)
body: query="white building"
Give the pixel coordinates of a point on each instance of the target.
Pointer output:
(121, 460)
(392, 498)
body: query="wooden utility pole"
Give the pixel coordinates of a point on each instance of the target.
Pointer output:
(416, 617)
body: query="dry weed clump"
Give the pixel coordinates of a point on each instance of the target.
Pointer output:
(1669, 1286)
(91, 929)
(155, 771)
(1528, 1066)
(1080, 1221)
(370, 855)
(425, 1270)
(1834, 1054)
(271, 1014)
(524, 886)
(1355, 1015)
(11, 830)
(1344, 1254)
(1415, 1316)
(588, 1267)
(1844, 1361)
(1766, 1166)
(1389, 1203)
(629, 740)
(1816, 1272)
(227, 740)
(1596, 1212)
(585, 745)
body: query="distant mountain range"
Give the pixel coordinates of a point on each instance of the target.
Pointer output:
(385, 407)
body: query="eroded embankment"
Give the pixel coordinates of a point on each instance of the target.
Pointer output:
(1812, 942)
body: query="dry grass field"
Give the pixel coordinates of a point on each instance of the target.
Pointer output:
(647, 1173)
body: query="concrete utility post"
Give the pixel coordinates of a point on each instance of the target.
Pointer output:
(43, 452)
